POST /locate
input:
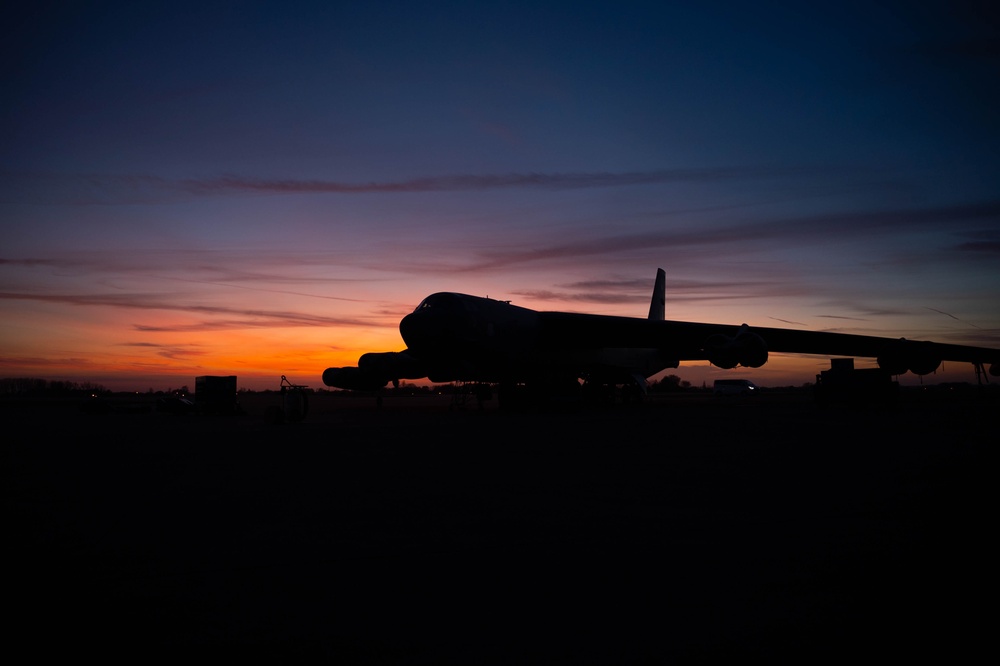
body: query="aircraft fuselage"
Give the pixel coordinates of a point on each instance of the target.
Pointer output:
(454, 337)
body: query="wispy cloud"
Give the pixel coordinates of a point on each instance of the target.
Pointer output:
(788, 321)
(824, 316)
(172, 352)
(112, 188)
(942, 312)
(803, 228)
(244, 318)
(467, 182)
(985, 247)
(681, 291)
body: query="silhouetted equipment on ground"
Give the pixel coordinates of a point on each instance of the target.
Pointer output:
(216, 394)
(474, 390)
(294, 401)
(843, 383)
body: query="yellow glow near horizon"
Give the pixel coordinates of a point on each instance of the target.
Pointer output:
(105, 346)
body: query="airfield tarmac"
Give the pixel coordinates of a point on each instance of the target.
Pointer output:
(685, 529)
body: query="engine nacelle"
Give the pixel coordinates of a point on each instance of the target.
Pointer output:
(392, 365)
(353, 379)
(893, 363)
(920, 358)
(375, 370)
(745, 348)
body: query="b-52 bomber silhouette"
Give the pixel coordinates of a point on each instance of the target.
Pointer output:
(452, 337)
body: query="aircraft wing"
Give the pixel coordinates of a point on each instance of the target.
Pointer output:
(846, 344)
(727, 346)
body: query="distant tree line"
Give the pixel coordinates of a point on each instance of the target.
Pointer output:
(667, 384)
(31, 386)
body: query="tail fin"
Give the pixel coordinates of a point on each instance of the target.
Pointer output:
(658, 304)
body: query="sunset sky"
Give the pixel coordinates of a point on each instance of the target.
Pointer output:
(263, 189)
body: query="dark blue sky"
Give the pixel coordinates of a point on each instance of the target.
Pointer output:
(199, 184)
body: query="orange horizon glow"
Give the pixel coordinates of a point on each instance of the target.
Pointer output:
(263, 373)
(163, 340)
(131, 346)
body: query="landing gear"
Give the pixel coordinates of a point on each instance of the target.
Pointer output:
(481, 391)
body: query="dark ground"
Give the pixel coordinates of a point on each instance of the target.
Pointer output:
(682, 530)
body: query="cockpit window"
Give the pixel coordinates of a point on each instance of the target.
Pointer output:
(444, 302)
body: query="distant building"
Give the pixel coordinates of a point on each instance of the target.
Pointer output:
(216, 394)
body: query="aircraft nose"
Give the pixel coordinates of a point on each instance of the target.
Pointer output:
(413, 329)
(422, 330)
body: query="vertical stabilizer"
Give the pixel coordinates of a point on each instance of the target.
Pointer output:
(658, 304)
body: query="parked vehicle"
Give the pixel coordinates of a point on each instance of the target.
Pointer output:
(735, 388)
